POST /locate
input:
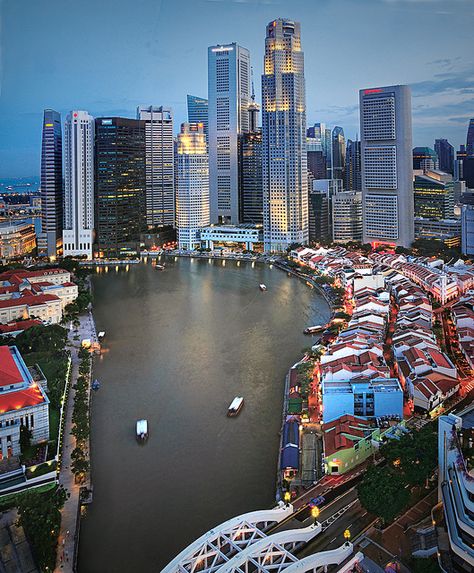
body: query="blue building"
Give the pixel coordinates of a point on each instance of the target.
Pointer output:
(197, 110)
(367, 398)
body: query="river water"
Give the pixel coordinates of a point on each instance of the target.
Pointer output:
(180, 345)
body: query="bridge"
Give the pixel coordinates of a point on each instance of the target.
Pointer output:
(254, 543)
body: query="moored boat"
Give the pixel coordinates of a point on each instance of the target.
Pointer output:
(235, 406)
(95, 385)
(262, 287)
(142, 430)
(313, 329)
(160, 267)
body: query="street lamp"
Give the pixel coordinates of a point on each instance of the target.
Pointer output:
(287, 497)
(315, 513)
(347, 534)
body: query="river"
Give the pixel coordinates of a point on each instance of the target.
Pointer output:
(180, 344)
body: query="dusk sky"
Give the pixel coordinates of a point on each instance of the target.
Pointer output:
(107, 57)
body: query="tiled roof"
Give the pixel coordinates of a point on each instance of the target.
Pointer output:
(31, 396)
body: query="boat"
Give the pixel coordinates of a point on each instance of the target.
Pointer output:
(160, 267)
(95, 385)
(313, 329)
(262, 287)
(101, 334)
(235, 406)
(142, 430)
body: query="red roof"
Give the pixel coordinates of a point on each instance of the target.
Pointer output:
(9, 373)
(31, 396)
(20, 325)
(30, 300)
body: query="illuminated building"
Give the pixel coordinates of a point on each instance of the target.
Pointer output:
(250, 178)
(50, 238)
(320, 134)
(386, 160)
(229, 97)
(285, 182)
(347, 216)
(445, 152)
(338, 148)
(198, 111)
(434, 195)
(353, 176)
(120, 185)
(447, 231)
(239, 237)
(425, 158)
(160, 208)
(23, 402)
(467, 223)
(17, 238)
(78, 233)
(192, 190)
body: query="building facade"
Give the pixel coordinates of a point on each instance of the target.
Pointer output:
(50, 238)
(285, 181)
(425, 158)
(192, 189)
(160, 207)
(353, 175)
(198, 111)
(17, 238)
(347, 217)
(78, 233)
(386, 160)
(250, 178)
(338, 148)
(229, 98)
(120, 185)
(467, 223)
(434, 195)
(445, 152)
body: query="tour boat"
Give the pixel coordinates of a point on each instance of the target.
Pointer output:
(160, 267)
(101, 334)
(95, 385)
(313, 329)
(235, 406)
(142, 430)
(262, 287)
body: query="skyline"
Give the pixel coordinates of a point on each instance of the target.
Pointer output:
(131, 60)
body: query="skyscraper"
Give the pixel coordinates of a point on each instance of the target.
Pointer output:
(250, 178)
(160, 210)
(425, 158)
(353, 176)
(387, 170)
(338, 148)
(229, 97)
(445, 153)
(50, 238)
(192, 195)
(347, 216)
(285, 183)
(120, 185)
(434, 195)
(322, 134)
(470, 138)
(198, 111)
(78, 233)
(467, 223)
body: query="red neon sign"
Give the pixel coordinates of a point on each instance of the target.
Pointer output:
(374, 91)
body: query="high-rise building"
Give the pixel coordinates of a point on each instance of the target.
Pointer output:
(50, 238)
(425, 158)
(353, 175)
(445, 152)
(315, 156)
(120, 185)
(319, 216)
(386, 160)
(160, 208)
(467, 223)
(322, 135)
(192, 189)
(229, 97)
(347, 216)
(78, 233)
(250, 178)
(470, 138)
(434, 195)
(468, 171)
(198, 111)
(461, 155)
(338, 143)
(285, 183)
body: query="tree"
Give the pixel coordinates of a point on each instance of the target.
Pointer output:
(25, 438)
(41, 338)
(383, 493)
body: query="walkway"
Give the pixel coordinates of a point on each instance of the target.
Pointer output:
(68, 535)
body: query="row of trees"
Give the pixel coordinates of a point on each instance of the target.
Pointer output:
(385, 490)
(80, 418)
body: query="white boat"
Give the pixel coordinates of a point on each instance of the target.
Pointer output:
(313, 329)
(235, 406)
(262, 287)
(160, 267)
(142, 430)
(101, 334)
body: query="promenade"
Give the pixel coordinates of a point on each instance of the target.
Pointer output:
(69, 532)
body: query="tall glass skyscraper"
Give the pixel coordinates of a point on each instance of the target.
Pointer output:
(160, 209)
(338, 143)
(250, 178)
(50, 238)
(78, 233)
(229, 98)
(353, 176)
(387, 166)
(120, 185)
(285, 181)
(198, 111)
(470, 138)
(445, 153)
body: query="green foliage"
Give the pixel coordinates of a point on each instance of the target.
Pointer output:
(42, 338)
(383, 493)
(39, 515)
(80, 418)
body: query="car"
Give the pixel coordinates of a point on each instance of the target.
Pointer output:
(317, 501)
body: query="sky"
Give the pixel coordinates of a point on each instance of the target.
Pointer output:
(108, 56)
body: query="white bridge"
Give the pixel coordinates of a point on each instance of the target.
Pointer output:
(242, 545)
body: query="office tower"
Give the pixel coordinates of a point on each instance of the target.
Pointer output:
(50, 238)
(322, 135)
(254, 110)
(338, 153)
(445, 152)
(353, 176)
(467, 223)
(192, 189)
(387, 171)
(347, 216)
(285, 184)
(160, 209)
(78, 233)
(229, 97)
(315, 156)
(250, 178)
(425, 158)
(468, 171)
(434, 195)
(120, 185)
(320, 210)
(198, 111)
(470, 138)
